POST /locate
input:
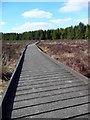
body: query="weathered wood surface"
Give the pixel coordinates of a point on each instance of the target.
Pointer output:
(47, 89)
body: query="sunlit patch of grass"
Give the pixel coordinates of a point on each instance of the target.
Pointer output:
(3, 85)
(6, 73)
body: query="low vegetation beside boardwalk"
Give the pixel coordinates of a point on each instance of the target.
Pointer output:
(11, 51)
(73, 53)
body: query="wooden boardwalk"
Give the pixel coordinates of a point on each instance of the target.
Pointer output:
(44, 88)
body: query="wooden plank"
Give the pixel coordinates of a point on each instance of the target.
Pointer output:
(47, 89)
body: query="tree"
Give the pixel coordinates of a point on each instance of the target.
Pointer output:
(87, 34)
(62, 33)
(56, 34)
(48, 35)
(70, 33)
(80, 31)
(77, 32)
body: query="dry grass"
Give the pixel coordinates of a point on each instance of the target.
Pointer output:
(3, 85)
(11, 51)
(72, 53)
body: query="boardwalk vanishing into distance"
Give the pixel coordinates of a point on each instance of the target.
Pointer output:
(43, 88)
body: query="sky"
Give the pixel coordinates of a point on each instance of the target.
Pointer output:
(29, 16)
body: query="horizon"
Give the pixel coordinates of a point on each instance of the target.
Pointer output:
(19, 17)
(41, 29)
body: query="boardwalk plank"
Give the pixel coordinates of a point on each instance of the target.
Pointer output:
(47, 89)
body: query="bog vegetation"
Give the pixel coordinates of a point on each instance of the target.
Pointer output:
(72, 53)
(11, 51)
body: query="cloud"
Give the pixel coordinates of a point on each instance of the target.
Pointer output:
(34, 0)
(61, 20)
(2, 23)
(30, 26)
(36, 13)
(74, 5)
(83, 20)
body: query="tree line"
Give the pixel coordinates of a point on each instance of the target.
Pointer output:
(80, 31)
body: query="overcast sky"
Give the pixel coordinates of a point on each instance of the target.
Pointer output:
(29, 16)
